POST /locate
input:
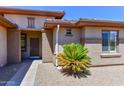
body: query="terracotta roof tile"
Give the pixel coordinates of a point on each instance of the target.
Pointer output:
(87, 22)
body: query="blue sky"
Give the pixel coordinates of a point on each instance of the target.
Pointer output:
(75, 12)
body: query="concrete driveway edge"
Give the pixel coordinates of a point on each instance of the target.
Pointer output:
(30, 75)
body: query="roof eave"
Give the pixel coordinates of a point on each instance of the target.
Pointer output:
(101, 24)
(6, 23)
(56, 14)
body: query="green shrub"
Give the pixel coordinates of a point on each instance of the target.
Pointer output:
(74, 58)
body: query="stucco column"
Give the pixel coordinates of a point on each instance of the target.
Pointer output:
(13, 46)
(57, 43)
(47, 42)
(3, 46)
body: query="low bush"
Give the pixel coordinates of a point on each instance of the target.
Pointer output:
(74, 58)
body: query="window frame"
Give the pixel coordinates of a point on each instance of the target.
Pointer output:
(24, 49)
(109, 42)
(67, 33)
(31, 22)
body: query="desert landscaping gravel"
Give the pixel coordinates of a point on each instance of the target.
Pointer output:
(48, 75)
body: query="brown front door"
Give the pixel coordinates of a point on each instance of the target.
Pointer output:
(34, 46)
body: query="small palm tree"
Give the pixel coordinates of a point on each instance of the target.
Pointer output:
(74, 58)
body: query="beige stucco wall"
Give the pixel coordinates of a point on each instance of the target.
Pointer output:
(93, 41)
(3, 46)
(63, 39)
(13, 46)
(22, 21)
(32, 34)
(47, 46)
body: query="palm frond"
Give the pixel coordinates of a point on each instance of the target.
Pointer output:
(74, 57)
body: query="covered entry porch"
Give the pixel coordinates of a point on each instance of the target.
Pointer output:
(31, 44)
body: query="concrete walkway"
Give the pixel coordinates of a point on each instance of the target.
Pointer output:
(48, 75)
(18, 77)
(14, 74)
(29, 78)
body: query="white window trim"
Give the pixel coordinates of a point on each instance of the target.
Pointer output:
(110, 51)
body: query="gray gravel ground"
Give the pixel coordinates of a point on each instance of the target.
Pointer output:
(48, 75)
(9, 71)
